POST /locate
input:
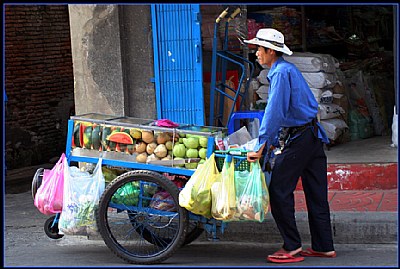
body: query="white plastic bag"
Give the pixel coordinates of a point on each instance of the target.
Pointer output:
(395, 129)
(82, 192)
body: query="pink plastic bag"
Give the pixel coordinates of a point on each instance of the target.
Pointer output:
(49, 196)
(166, 123)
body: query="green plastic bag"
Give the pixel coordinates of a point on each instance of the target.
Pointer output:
(127, 194)
(196, 195)
(252, 197)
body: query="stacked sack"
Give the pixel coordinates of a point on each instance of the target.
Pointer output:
(260, 87)
(323, 76)
(321, 71)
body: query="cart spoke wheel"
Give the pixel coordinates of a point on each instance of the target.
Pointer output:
(140, 219)
(193, 232)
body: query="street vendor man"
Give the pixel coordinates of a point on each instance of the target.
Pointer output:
(291, 128)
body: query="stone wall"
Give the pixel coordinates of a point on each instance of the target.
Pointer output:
(39, 82)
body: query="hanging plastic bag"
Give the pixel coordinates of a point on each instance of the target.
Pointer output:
(82, 192)
(252, 195)
(196, 195)
(395, 129)
(223, 193)
(49, 196)
(163, 200)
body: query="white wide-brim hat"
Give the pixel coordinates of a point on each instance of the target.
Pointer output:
(270, 38)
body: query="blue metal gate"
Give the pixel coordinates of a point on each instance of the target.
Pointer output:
(178, 62)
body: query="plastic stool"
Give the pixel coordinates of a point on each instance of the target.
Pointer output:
(234, 124)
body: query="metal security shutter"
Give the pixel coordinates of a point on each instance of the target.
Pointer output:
(178, 63)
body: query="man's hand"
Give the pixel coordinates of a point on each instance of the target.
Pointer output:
(253, 156)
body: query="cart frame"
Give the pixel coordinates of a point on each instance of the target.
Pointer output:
(188, 226)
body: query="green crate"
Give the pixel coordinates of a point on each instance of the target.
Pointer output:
(241, 164)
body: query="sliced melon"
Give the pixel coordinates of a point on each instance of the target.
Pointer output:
(120, 137)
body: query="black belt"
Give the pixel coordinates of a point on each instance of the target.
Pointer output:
(290, 132)
(300, 129)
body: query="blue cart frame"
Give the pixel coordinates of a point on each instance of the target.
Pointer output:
(187, 226)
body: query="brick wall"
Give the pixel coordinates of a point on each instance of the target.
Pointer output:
(39, 82)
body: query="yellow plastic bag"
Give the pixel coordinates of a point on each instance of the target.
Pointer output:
(196, 195)
(252, 196)
(223, 193)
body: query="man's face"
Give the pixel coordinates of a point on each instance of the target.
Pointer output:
(264, 56)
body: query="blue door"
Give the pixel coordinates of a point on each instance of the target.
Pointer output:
(178, 62)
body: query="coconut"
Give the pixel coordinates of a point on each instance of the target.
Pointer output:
(148, 136)
(152, 157)
(140, 147)
(161, 151)
(142, 157)
(151, 147)
(166, 158)
(162, 138)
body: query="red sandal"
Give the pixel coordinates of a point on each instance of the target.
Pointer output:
(281, 257)
(311, 253)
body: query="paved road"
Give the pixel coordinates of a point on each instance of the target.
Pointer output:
(27, 245)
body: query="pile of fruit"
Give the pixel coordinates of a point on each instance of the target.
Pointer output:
(146, 144)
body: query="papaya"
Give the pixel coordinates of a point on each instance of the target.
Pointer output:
(120, 137)
(96, 137)
(136, 133)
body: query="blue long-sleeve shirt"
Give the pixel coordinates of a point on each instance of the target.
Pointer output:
(290, 103)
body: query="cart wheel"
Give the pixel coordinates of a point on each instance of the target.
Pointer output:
(139, 217)
(37, 181)
(51, 228)
(193, 232)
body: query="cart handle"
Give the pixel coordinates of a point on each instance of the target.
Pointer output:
(233, 15)
(222, 15)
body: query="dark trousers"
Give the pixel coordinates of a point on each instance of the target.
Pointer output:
(304, 157)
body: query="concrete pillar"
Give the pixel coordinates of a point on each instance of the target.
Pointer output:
(138, 60)
(113, 60)
(96, 53)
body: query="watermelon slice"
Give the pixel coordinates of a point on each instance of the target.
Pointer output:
(120, 137)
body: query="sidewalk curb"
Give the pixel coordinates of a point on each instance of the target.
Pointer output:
(348, 228)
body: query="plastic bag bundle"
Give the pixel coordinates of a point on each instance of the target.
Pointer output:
(196, 195)
(49, 196)
(395, 129)
(82, 192)
(252, 197)
(223, 193)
